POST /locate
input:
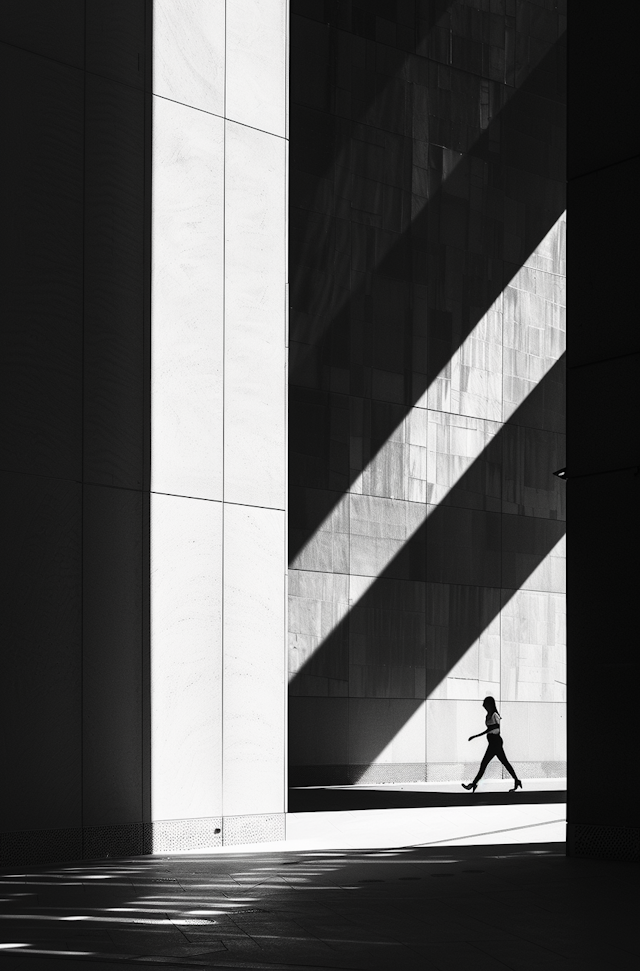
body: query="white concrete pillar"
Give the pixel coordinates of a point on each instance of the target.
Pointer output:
(218, 413)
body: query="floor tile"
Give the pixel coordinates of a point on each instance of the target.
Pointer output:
(467, 901)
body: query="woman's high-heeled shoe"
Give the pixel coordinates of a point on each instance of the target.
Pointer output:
(472, 785)
(516, 785)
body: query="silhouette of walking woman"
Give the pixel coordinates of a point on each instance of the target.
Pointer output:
(494, 746)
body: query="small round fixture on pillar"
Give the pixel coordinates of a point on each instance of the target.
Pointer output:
(561, 473)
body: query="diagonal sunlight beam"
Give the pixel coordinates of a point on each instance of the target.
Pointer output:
(375, 628)
(328, 657)
(414, 261)
(455, 173)
(471, 383)
(469, 341)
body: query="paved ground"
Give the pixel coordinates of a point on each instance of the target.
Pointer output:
(470, 899)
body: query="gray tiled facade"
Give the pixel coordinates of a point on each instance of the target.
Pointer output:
(426, 388)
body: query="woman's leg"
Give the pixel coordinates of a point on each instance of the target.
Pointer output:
(505, 761)
(486, 758)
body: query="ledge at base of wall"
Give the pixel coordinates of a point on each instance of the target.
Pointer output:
(350, 775)
(603, 842)
(34, 847)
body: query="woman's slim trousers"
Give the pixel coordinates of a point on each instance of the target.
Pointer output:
(494, 747)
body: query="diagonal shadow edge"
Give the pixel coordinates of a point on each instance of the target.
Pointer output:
(410, 565)
(510, 117)
(399, 263)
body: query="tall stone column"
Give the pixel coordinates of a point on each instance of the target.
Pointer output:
(218, 420)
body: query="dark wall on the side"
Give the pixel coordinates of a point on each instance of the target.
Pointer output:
(603, 457)
(74, 442)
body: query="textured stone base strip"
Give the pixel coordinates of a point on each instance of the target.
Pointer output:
(387, 772)
(40, 846)
(604, 842)
(108, 842)
(538, 770)
(461, 771)
(174, 835)
(379, 773)
(63, 845)
(253, 829)
(34, 847)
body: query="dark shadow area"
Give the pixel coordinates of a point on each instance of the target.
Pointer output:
(411, 907)
(395, 259)
(74, 451)
(602, 579)
(335, 799)
(460, 543)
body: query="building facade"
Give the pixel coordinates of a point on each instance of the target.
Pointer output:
(427, 341)
(181, 416)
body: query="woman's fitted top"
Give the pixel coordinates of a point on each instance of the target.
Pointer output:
(492, 722)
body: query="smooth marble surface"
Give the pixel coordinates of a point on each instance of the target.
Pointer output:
(386, 630)
(186, 657)
(254, 660)
(463, 641)
(189, 52)
(463, 466)
(534, 732)
(449, 724)
(255, 353)
(470, 382)
(533, 646)
(326, 548)
(187, 302)
(318, 603)
(379, 530)
(257, 63)
(534, 330)
(219, 405)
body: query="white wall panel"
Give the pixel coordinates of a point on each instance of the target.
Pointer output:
(255, 273)
(533, 649)
(254, 660)
(187, 301)
(188, 52)
(186, 610)
(219, 408)
(449, 724)
(529, 731)
(257, 63)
